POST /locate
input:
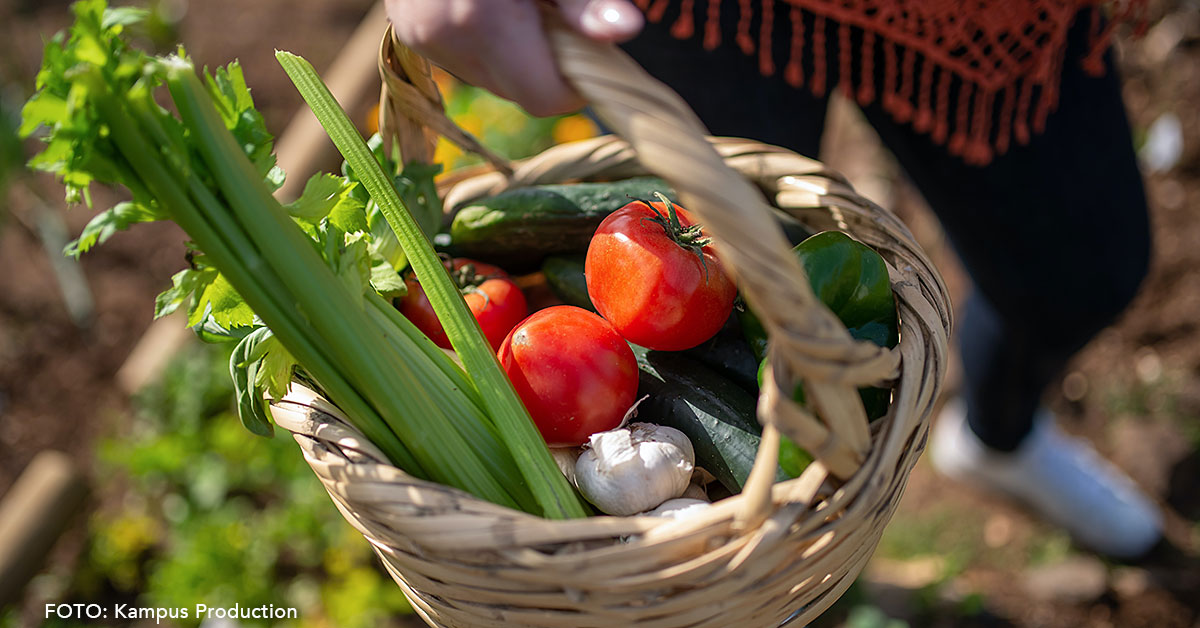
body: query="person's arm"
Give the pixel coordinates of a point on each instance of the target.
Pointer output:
(500, 44)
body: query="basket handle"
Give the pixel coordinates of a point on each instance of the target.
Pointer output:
(411, 109)
(808, 342)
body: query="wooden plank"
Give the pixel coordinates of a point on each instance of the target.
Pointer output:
(33, 514)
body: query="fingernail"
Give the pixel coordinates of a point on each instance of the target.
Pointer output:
(611, 19)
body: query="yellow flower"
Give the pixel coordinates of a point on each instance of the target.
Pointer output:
(471, 123)
(573, 128)
(373, 120)
(445, 82)
(446, 154)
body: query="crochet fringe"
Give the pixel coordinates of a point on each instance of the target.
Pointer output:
(1005, 55)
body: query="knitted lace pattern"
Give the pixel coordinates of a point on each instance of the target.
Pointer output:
(1004, 56)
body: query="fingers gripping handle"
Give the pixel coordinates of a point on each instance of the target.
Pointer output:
(411, 110)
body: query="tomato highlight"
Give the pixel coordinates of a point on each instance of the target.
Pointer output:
(573, 371)
(651, 273)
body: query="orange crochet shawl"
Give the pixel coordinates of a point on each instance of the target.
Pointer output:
(1004, 52)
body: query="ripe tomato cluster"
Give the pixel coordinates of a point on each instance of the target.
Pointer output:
(654, 281)
(492, 296)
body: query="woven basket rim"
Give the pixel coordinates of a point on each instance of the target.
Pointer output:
(776, 552)
(834, 525)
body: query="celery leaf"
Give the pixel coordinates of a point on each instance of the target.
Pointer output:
(219, 300)
(227, 87)
(107, 223)
(330, 196)
(244, 365)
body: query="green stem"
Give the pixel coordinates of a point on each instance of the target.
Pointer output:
(354, 341)
(460, 407)
(551, 489)
(236, 262)
(453, 372)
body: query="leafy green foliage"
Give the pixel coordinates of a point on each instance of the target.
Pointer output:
(94, 60)
(79, 149)
(91, 78)
(258, 364)
(108, 222)
(208, 515)
(10, 144)
(328, 195)
(227, 87)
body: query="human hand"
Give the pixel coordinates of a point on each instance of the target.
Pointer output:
(500, 45)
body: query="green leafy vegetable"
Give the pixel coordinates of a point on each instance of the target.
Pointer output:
(244, 368)
(500, 399)
(309, 276)
(109, 222)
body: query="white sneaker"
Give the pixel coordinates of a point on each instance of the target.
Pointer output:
(1059, 476)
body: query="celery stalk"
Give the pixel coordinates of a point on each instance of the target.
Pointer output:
(159, 180)
(557, 498)
(355, 341)
(209, 169)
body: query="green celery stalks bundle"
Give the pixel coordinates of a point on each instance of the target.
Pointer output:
(208, 170)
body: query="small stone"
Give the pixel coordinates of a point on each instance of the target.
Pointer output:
(1075, 386)
(1074, 580)
(909, 574)
(998, 531)
(1164, 143)
(1130, 582)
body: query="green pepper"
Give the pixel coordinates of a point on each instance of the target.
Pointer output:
(851, 279)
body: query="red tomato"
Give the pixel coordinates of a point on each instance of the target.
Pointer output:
(497, 303)
(482, 269)
(572, 370)
(654, 289)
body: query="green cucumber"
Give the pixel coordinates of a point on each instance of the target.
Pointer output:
(564, 275)
(520, 227)
(715, 414)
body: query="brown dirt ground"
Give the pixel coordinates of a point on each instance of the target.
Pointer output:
(1135, 391)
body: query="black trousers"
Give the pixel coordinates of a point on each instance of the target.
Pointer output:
(1054, 234)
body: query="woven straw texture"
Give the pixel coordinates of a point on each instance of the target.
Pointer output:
(777, 551)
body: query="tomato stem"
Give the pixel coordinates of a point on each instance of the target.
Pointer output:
(691, 237)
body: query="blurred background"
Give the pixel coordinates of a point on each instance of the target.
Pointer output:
(167, 501)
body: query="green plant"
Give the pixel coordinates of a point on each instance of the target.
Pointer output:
(200, 513)
(293, 285)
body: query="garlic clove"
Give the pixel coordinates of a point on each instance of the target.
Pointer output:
(680, 508)
(565, 458)
(695, 491)
(641, 432)
(635, 468)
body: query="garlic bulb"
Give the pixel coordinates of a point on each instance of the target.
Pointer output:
(695, 491)
(680, 508)
(565, 458)
(635, 468)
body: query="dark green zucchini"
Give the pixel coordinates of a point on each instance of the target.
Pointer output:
(729, 354)
(564, 275)
(715, 414)
(521, 227)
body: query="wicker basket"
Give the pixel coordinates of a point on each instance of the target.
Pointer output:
(776, 551)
